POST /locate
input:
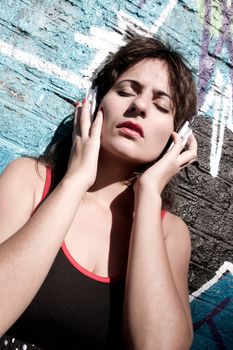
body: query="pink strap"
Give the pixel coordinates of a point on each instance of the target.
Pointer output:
(47, 183)
(46, 187)
(163, 213)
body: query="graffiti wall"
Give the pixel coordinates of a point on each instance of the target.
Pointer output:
(48, 51)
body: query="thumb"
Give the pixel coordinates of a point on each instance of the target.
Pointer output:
(97, 125)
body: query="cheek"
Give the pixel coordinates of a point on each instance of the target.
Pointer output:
(107, 126)
(113, 105)
(106, 113)
(161, 133)
(110, 113)
(158, 140)
(107, 102)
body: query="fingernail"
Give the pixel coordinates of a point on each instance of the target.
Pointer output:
(78, 104)
(84, 101)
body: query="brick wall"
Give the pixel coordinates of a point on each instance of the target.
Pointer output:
(48, 50)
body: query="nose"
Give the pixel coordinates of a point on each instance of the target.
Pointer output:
(139, 106)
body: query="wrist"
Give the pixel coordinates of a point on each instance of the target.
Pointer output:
(74, 183)
(148, 188)
(150, 193)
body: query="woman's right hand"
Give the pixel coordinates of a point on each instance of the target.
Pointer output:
(86, 144)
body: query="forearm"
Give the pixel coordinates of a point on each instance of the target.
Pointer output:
(154, 317)
(26, 257)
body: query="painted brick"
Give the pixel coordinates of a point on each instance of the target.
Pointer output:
(48, 51)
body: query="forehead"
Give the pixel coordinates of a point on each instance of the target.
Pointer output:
(151, 71)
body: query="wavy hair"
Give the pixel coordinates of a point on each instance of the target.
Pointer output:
(138, 48)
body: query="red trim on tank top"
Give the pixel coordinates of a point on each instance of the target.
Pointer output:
(86, 272)
(46, 188)
(65, 249)
(47, 183)
(163, 213)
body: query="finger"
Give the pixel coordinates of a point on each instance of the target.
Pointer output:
(177, 146)
(190, 155)
(77, 110)
(97, 125)
(76, 126)
(85, 121)
(186, 159)
(192, 143)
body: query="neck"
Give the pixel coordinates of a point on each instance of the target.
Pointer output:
(111, 179)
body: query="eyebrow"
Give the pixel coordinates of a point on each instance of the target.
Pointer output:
(139, 85)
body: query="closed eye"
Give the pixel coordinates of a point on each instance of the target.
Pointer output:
(124, 93)
(162, 109)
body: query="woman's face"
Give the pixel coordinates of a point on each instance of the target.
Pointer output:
(138, 113)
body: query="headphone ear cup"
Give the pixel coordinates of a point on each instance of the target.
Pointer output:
(92, 97)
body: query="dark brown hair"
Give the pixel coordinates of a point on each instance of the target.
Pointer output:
(181, 82)
(180, 76)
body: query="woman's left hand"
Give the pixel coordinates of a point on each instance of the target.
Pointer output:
(160, 173)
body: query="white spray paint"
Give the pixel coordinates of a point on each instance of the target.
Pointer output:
(105, 41)
(227, 266)
(42, 65)
(102, 40)
(220, 101)
(162, 18)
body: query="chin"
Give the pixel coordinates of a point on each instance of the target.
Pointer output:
(132, 157)
(129, 151)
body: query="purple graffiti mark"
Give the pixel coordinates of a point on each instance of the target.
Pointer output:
(141, 3)
(208, 59)
(209, 319)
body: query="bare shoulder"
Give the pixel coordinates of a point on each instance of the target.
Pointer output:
(21, 187)
(176, 231)
(25, 165)
(24, 175)
(173, 224)
(28, 168)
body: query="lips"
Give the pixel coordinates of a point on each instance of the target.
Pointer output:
(132, 126)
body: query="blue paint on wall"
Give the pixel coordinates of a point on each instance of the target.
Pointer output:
(48, 33)
(212, 314)
(33, 102)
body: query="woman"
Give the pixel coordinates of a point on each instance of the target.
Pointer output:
(120, 278)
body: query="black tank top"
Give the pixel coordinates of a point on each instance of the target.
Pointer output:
(73, 309)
